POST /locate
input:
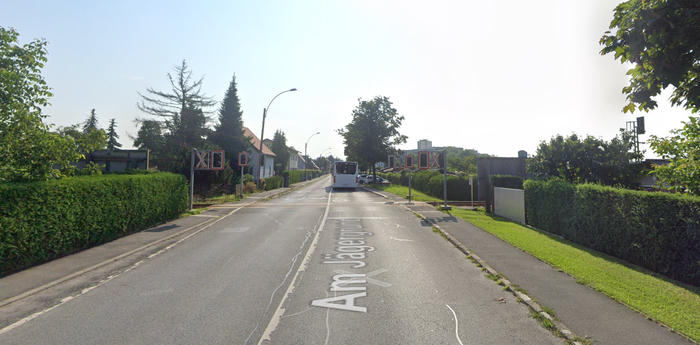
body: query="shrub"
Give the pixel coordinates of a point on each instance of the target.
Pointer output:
(273, 182)
(506, 181)
(658, 231)
(41, 221)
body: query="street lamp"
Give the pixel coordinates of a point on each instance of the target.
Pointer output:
(305, 155)
(262, 132)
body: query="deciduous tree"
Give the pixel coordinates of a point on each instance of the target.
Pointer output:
(660, 38)
(373, 132)
(28, 150)
(589, 160)
(683, 150)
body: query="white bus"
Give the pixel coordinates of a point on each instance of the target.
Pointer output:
(345, 175)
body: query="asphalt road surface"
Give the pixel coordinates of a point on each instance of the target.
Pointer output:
(313, 266)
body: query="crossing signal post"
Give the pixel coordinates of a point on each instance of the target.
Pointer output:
(204, 160)
(243, 161)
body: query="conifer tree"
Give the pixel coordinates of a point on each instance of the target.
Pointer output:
(228, 133)
(112, 136)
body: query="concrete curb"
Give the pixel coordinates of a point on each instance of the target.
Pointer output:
(532, 304)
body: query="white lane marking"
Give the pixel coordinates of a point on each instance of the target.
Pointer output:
(399, 239)
(274, 322)
(456, 325)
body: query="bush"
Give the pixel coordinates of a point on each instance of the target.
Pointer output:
(431, 182)
(506, 181)
(273, 182)
(42, 221)
(658, 231)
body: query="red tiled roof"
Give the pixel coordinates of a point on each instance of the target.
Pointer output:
(255, 141)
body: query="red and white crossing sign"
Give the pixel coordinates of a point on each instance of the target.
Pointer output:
(209, 160)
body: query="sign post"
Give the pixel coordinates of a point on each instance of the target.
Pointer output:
(471, 184)
(243, 159)
(204, 160)
(194, 150)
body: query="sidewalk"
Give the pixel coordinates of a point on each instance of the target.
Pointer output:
(33, 280)
(582, 310)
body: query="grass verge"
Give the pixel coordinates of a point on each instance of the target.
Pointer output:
(403, 191)
(673, 304)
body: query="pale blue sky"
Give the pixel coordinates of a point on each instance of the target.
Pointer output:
(495, 76)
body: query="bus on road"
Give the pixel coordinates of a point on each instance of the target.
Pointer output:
(345, 175)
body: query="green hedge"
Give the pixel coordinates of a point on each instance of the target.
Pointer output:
(431, 182)
(296, 176)
(506, 181)
(42, 221)
(658, 231)
(274, 182)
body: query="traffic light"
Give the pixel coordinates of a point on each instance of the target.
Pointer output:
(423, 160)
(409, 161)
(243, 159)
(217, 160)
(640, 125)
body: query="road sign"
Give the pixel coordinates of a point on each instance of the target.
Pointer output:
(201, 159)
(243, 158)
(209, 160)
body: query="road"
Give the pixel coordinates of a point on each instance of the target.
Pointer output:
(313, 266)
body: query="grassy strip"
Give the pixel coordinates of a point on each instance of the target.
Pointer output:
(673, 304)
(403, 191)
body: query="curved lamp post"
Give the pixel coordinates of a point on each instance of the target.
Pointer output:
(305, 155)
(262, 131)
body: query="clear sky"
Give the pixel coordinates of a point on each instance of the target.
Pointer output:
(495, 76)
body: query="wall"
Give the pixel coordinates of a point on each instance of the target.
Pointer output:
(488, 166)
(509, 203)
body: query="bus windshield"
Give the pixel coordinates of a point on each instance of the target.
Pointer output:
(346, 168)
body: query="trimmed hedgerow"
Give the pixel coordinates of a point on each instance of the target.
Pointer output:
(41, 221)
(431, 182)
(274, 182)
(506, 181)
(658, 231)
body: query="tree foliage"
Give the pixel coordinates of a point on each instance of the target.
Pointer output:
(90, 123)
(184, 118)
(683, 150)
(462, 160)
(373, 132)
(279, 147)
(228, 132)
(150, 137)
(660, 37)
(28, 150)
(589, 160)
(84, 142)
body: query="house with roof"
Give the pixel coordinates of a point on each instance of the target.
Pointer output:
(296, 161)
(266, 157)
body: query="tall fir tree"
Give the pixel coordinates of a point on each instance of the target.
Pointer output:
(112, 136)
(91, 123)
(228, 133)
